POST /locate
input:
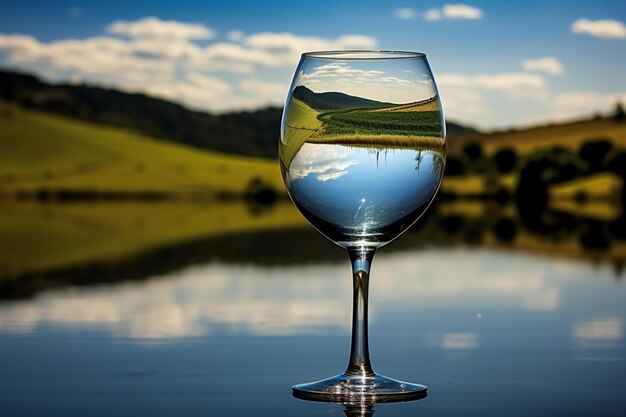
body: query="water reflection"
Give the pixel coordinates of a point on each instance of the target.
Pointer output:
(314, 299)
(89, 244)
(475, 325)
(601, 332)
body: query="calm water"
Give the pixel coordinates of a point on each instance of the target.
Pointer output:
(491, 332)
(363, 196)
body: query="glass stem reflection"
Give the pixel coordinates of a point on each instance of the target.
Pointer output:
(361, 259)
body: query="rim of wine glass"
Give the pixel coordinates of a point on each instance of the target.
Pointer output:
(363, 54)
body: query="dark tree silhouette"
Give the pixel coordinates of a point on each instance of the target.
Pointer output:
(594, 153)
(473, 151)
(454, 166)
(506, 160)
(617, 164)
(619, 116)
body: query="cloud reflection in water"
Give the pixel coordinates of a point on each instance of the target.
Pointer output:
(311, 299)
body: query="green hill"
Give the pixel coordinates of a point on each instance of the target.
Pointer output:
(333, 100)
(47, 153)
(253, 133)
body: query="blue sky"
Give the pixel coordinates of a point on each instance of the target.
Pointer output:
(497, 63)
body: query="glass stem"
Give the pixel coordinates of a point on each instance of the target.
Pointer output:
(361, 259)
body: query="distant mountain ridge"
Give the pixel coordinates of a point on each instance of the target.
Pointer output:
(252, 133)
(334, 100)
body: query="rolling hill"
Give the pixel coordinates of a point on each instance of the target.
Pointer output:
(568, 134)
(44, 152)
(333, 100)
(252, 133)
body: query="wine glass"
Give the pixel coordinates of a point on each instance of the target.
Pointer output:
(362, 154)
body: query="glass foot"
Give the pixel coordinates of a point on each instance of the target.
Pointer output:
(347, 388)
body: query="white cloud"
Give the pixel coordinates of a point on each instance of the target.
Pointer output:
(164, 58)
(404, 13)
(153, 27)
(235, 36)
(372, 84)
(454, 11)
(610, 29)
(325, 163)
(461, 11)
(237, 58)
(193, 91)
(288, 42)
(513, 84)
(272, 91)
(586, 102)
(432, 14)
(549, 65)
(475, 98)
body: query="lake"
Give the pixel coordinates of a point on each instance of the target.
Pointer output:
(223, 319)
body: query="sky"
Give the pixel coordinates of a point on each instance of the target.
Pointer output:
(497, 64)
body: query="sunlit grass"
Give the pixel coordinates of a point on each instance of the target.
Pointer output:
(301, 123)
(431, 104)
(467, 185)
(39, 150)
(603, 185)
(569, 135)
(305, 124)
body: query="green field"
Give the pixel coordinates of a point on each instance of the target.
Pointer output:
(43, 151)
(363, 122)
(407, 125)
(526, 140)
(301, 124)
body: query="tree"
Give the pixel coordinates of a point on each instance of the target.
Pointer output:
(473, 151)
(594, 152)
(619, 116)
(617, 164)
(506, 160)
(454, 166)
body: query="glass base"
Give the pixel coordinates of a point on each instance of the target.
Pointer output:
(347, 388)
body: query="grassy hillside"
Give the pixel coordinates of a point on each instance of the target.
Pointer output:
(243, 133)
(301, 124)
(40, 150)
(570, 135)
(405, 125)
(334, 100)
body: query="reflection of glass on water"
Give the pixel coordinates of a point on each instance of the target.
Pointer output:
(355, 196)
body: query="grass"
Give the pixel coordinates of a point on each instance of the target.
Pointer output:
(384, 141)
(605, 211)
(570, 135)
(430, 104)
(412, 125)
(40, 150)
(301, 124)
(593, 187)
(36, 237)
(466, 185)
(363, 122)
